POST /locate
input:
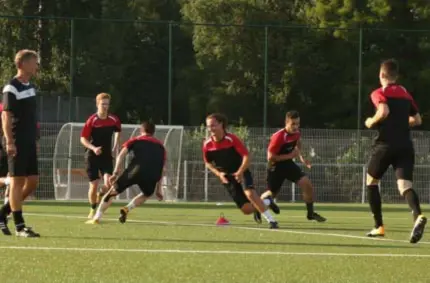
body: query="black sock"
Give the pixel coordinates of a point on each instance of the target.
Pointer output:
(310, 208)
(5, 210)
(375, 204)
(413, 201)
(19, 220)
(94, 205)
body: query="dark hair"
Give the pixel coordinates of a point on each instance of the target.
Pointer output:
(391, 68)
(148, 127)
(221, 118)
(293, 114)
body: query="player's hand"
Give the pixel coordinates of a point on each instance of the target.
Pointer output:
(98, 150)
(369, 123)
(11, 149)
(223, 178)
(112, 179)
(238, 176)
(307, 163)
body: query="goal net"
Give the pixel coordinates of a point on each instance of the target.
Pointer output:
(69, 173)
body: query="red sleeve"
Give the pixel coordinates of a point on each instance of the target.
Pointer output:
(128, 144)
(377, 97)
(275, 143)
(86, 130)
(414, 109)
(205, 150)
(239, 146)
(117, 125)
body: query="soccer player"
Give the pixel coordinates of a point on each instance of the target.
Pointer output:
(228, 158)
(145, 170)
(284, 146)
(19, 125)
(396, 112)
(96, 136)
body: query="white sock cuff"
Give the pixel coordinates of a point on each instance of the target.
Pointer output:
(266, 202)
(7, 181)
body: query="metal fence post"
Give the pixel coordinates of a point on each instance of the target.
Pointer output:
(363, 185)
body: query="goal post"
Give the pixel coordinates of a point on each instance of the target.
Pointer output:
(69, 174)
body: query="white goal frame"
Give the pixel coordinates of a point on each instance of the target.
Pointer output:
(135, 129)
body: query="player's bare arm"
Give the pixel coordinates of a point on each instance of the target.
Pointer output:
(7, 118)
(415, 120)
(382, 112)
(282, 157)
(119, 161)
(85, 142)
(245, 164)
(306, 162)
(116, 143)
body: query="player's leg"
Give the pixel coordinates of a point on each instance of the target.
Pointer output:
(147, 186)
(274, 179)
(93, 176)
(252, 196)
(106, 169)
(378, 164)
(307, 188)
(404, 166)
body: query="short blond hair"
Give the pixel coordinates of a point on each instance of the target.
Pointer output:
(24, 55)
(102, 96)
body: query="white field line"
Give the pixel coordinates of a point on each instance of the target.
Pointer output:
(237, 228)
(176, 251)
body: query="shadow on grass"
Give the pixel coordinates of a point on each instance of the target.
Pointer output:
(242, 242)
(341, 207)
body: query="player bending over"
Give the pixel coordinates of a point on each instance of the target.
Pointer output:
(144, 170)
(396, 112)
(284, 146)
(96, 136)
(227, 157)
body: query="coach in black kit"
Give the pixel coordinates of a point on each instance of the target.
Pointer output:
(396, 112)
(19, 125)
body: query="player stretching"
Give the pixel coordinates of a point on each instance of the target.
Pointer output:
(284, 146)
(396, 112)
(20, 130)
(145, 170)
(227, 157)
(96, 136)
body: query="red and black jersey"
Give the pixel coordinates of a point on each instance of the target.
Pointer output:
(283, 142)
(226, 155)
(149, 153)
(99, 131)
(394, 129)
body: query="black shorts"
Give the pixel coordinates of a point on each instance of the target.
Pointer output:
(4, 168)
(133, 175)
(97, 165)
(235, 189)
(24, 163)
(276, 176)
(401, 158)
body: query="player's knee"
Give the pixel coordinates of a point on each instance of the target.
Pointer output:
(305, 184)
(247, 208)
(371, 180)
(403, 185)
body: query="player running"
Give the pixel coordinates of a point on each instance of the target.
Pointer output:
(284, 146)
(144, 170)
(396, 112)
(96, 136)
(228, 158)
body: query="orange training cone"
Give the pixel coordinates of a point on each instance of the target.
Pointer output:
(222, 220)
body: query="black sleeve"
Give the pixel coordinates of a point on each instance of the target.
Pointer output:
(9, 102)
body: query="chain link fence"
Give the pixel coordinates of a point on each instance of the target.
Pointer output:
(339, 165)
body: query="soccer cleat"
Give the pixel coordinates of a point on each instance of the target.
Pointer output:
(273, 225)
(3, 227)
(418, 230)
(27, 233)
(273, 206)
(92, 213)
(377, 232)
(93, 221)
(257, 216)
(318, 218)
(123, 214)
(222, 220)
